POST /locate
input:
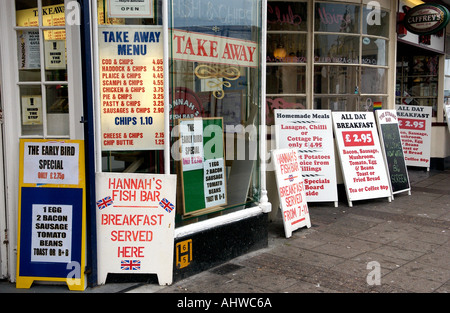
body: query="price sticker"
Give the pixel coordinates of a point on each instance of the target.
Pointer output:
(358, 138)
(405, 123)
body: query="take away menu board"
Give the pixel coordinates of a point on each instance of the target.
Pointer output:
(131, 88)
(361, 157)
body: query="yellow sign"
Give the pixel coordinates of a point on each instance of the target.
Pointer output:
(184, 253)
(52, 213)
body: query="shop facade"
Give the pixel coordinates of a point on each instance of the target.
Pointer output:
(187, 88)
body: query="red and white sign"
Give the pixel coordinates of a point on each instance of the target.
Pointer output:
(135, 224)
(362, 162)
(291, 190)
(198, 47)
(311, 132)
(415, 131)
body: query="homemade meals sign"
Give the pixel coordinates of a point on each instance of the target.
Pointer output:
(291, 190)
(311, 132)
(361, 157)
(135, 224)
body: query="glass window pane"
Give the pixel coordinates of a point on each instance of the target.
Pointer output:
(336, 79)
(290, 48)
(215, 71)
(27, 13)
(286, 79)
(374, 51)
(29, 55)
(289, 15)
(57, 110)
(107, 16)
(275, 103)
(53, 13)
(373, 80)
(368, 103)
(336, 49)
(55, 59)
(337, 18)
(375, 24)
(31, 110)
(347, 103)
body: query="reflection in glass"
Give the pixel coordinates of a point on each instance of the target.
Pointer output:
(288, 16)
(282, 102)
(287, 48)
(336, 49)
(337, 18)
(286, 79)
(374, 51)
(335, 79)
(57, 110)
(373, 80)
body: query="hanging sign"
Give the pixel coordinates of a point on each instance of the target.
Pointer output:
(135, 224)
(203, 165)
(311, 132)
(426, 19)
(130, 9)
(392, 150)
(362, 162)
(291, 190)
(415, 131)
(52, 215)
(131, 88)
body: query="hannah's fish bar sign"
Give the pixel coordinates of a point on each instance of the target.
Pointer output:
(135, 224)
(291, 190)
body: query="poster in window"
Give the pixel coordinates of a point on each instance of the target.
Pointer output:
(131, 88)
(32, 110)
(203, 165)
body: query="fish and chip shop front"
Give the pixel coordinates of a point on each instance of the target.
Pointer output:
(157, 106)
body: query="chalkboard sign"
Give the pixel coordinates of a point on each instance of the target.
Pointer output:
(393, 150)
(202, 159)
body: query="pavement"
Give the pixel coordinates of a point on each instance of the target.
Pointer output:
(376, 246)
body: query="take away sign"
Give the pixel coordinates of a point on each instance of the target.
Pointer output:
(198, 47)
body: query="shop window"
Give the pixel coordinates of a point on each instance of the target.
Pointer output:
(42, 63)
(215, 103)
(131, 86)
(345, 34)
(287, 56)
(417, 80)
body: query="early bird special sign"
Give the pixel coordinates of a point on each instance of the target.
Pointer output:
(291, 190)
(135, 224)
(52, 227)
(362, 162)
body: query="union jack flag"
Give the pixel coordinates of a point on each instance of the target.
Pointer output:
(166, 205)
(102, 204)
(130, 265)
